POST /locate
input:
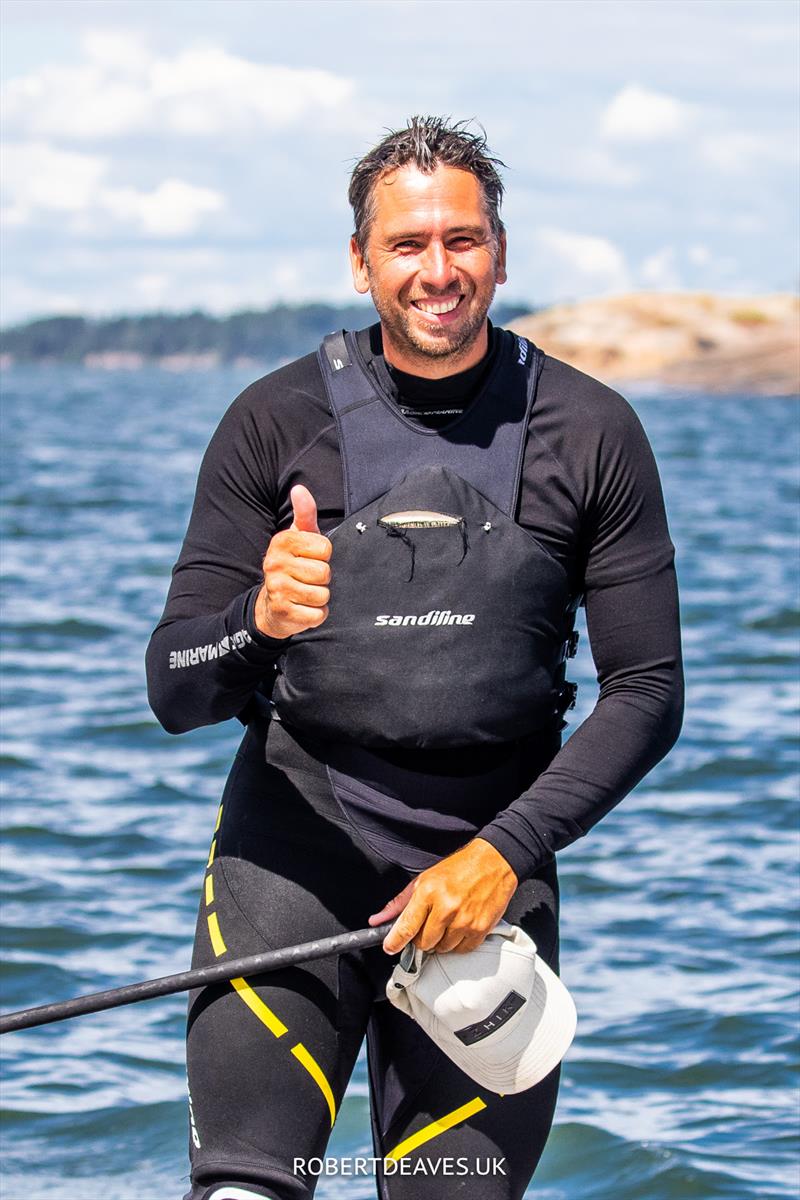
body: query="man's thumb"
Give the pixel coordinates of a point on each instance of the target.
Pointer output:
(304, 510)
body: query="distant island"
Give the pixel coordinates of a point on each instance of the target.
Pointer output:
(686, 340)
(196, 340)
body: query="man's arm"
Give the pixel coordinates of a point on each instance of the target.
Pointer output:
(633, 622)
(635, 638)
(634, 633)
(207, 656)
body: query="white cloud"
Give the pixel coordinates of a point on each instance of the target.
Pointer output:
(93, 100)
(36, 176)
(125, 52)
(205, 90)
(598, 166)
(699, 255)
(739, 153)
(122, 88)
(583, 263)
(152, 288)
(170, 277)
(660, 271)
(23, 299)
(751, 224)
(638, 115)
(171, 209)
(39, 179)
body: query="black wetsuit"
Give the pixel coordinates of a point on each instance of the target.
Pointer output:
(269, 1059)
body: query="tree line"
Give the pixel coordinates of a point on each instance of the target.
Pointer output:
(279, 333)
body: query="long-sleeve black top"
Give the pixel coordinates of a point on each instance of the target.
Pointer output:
(590, 493)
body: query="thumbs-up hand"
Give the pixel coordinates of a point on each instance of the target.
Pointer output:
(295, 594)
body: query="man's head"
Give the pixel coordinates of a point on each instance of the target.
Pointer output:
(429, 243)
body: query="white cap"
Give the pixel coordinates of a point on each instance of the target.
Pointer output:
(498, 1012)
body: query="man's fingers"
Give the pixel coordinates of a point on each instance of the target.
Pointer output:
(309, 618)
(305, 595)
(406, 927)
(394, 907)
(410, 913)
(458, 943)
(292, 544)
(311, 570)
(304, 509)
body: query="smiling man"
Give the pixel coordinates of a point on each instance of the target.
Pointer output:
(389, 542)
(431, 256)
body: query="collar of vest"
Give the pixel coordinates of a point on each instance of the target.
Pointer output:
(379, 444)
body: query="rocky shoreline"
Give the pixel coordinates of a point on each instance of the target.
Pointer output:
(688, 341)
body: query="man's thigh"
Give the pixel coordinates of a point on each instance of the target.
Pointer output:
(442, 1133)
(268, 1057)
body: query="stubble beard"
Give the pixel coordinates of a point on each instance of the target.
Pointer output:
(443, 341)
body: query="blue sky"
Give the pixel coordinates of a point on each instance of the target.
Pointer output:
(177, 154)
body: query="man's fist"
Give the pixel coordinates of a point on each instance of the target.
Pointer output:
(295, 592)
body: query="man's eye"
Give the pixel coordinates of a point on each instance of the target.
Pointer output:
(407, 246)
(461, 243)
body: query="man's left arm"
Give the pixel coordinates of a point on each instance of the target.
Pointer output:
(633, 622)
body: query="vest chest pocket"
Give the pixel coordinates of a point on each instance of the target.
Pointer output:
(444, 627)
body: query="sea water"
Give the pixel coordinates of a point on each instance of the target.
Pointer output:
(679, 934)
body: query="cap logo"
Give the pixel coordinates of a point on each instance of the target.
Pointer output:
(471, 1034)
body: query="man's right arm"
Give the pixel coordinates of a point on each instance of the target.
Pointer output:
(207, 656)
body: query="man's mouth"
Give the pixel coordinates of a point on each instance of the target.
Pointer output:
(438, 308)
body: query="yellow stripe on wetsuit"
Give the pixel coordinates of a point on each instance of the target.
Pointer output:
(254, 1002)
(436, 1127)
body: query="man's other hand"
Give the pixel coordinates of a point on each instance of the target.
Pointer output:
(452, 905)
(295, 592)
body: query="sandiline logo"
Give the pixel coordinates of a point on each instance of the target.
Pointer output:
(434, 617)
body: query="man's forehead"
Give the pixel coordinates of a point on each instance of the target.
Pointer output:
(446, 194)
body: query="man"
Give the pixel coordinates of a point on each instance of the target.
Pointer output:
(435, 496)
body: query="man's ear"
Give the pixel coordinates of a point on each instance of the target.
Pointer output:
(500, 274)
(358, 265)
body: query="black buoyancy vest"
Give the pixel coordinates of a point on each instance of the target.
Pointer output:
(448, 622)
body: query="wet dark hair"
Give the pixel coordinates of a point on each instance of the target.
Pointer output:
(426, 142)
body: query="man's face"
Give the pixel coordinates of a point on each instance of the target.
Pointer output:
(431, 265)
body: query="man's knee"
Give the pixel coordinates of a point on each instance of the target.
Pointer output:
(239, 1191)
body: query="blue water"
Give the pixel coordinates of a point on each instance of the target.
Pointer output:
(679, 935)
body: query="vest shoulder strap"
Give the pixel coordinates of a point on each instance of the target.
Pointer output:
(379, 445)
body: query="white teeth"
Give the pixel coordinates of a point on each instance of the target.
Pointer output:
(432, 306)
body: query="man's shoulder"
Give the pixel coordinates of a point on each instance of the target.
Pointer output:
(565, 384)
(286, 384)
(583, 403)
(285, 408)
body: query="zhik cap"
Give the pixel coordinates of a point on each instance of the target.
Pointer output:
(498, 1012)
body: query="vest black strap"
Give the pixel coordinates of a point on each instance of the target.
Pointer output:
(379, 445)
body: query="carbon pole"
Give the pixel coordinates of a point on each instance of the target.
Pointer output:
(168, 985)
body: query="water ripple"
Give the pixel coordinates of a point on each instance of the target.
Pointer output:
(679, 940)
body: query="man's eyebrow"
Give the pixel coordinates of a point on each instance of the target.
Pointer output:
(398, 234)
(477, 231)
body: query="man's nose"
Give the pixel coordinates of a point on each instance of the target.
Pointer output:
(436, 268)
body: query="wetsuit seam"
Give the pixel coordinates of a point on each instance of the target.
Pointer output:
(533, 436)
(305, 450)
(396, 840)
(238, 907)
(356, 832)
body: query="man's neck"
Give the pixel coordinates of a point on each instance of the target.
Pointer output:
(433, 367)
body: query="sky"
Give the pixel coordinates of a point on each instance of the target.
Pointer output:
(183, 154)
